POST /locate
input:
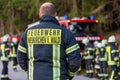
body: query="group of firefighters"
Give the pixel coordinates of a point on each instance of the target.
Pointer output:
(102, 59)
(8, 53)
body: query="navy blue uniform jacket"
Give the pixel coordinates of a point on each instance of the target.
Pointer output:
(48, 51)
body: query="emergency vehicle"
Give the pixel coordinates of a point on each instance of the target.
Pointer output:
(83, 27)
(10, 37)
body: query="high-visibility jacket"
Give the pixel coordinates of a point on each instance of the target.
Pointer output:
(112, 51)
(88, 53)
(102, 54)
(48, 51)
(13, 50)
(5, 51)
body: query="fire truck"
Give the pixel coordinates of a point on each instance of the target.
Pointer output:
(83, 27)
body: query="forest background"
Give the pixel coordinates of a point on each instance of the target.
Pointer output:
(15, 15)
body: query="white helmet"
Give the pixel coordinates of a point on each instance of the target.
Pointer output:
(5, 39)
(95, 43)
(112, 39)
(14, 40)
(104, 42)
(85, 41)
(99, 45)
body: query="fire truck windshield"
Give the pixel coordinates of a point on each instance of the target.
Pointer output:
(84, 29)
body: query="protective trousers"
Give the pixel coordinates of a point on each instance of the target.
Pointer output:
(4, 74)
(113, 72)
(89, 67)
(15, 63)
(103, 69)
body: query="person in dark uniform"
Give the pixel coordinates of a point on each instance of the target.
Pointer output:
(88, 56)
(48, 51)
(5, 58)
(102, 61)
(113, 58)
(13, 55)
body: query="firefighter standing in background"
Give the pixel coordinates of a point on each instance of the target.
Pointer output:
(97, 66)
(48, 51)
(119, 62)
(88, 56)
(5, 58)
(112, 51)
(103, 59)
(14, 45)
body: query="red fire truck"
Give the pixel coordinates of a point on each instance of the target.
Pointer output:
(83, 27)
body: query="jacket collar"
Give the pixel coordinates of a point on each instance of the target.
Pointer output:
(49, 19)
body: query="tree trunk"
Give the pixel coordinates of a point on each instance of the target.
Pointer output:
(2, 26)
(11, 22)
(75, 10)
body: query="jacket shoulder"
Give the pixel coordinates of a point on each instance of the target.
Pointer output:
(33, 24)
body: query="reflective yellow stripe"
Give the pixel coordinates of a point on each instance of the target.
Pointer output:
(119, 73)
(4, 76)
(112, 75)
(13, 52)
(56, 62)
(22, 49)
(108, 51)
(72, 48)
(114, 51)
(6, 49)
(88, 57)
(104, 58)
(3, 50)
(105, 75)
(72, 73)
(90, 71)
(31, 60)
(90, 49)
(14, 66)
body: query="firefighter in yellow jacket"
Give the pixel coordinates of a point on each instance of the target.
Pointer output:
(112, 51)
(88, 56)
(14, 45)
(5, 58)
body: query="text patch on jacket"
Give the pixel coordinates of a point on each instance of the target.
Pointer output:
(44, 36)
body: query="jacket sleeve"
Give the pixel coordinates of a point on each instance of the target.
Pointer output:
(22, 53)
(73, 53)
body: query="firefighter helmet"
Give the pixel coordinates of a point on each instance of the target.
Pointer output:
(14, 40)
(99, 45)
(5, 39)
(104, 42)
(112, 39)
(85, 41)
(95, 43)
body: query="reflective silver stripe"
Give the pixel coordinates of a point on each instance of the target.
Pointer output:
(4, 76)
(6, 49)
(114, 51)
(90, 49)
(22, 49)
(56, 62)
(72, 48)
(31, 59)
(72, 73)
